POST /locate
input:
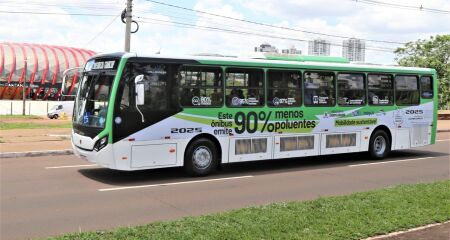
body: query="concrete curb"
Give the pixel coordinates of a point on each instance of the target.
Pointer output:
(36, 153)
(385, 236)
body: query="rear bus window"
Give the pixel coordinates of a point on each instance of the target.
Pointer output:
(284, 88)
(426, 87)
(201, 87)
(381, 89)
(351, 89)
(319, 89)
(244, 87)
(407, 90)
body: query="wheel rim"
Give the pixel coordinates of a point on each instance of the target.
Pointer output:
(379, 145)
(202, 157)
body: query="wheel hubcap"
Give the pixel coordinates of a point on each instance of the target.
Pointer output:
(202, 157)
(380, 145)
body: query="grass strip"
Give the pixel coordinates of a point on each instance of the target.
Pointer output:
(21, 116)
(25, 125)
(354, 216)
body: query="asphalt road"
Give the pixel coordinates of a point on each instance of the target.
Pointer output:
(45, 196)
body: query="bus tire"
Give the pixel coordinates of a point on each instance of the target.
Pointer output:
(55, 116)
(379, 145)
(201, 157)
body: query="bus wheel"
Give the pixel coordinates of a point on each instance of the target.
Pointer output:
(379, 146)
(201, 158)
(55, 116)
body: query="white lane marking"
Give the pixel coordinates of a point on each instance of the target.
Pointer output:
(173, 183)
(72, 166)
(393, 161)
(443, 140)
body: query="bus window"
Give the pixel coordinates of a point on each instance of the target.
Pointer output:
(319, 89)
(407, 90)
(284, 88)
(244, 87)
(426, 87)
(351, 89)
(381, 89)
(201, 87)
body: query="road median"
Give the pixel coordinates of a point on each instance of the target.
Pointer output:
(355, 216)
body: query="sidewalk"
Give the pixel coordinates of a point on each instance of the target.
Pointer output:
(443, 126)
(29, 140)
(433, 232)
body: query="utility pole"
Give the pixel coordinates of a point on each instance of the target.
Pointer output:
(128, 20)
(23, 86)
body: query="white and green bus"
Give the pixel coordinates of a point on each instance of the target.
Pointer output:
(137, 112)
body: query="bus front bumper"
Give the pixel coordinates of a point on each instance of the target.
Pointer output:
(104, 157)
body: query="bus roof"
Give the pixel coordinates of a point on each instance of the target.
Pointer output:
(307, 62)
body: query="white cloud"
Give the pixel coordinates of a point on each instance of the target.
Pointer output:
(338, 17)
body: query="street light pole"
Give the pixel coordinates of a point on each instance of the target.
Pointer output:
(128, 20)
(23, 86)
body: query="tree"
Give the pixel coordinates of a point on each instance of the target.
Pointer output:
(431, 53)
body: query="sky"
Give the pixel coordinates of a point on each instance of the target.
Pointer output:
(171, 30)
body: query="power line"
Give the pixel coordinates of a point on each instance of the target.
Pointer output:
(400, 6)
(269, 25)
(216, 23)
(217, 29)
(55, 13)
(45, 6)
(103, 30)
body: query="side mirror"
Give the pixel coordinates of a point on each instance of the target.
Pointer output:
(76, 71)
(140, 89)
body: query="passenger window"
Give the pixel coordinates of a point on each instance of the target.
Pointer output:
(201, 87)
(158, 83)
(381, 89)
(426, 87)
(244, 87)
(319, 89)
(407, 90)
(284, 88)
(351, 89)
(161, 96)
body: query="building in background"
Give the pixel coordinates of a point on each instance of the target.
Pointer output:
(354, 50)
(45, 66)
(319, 47)
(267, 48)
(291, 51)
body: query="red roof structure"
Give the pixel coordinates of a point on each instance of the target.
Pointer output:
(45, 66)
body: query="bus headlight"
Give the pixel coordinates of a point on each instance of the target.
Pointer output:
(101, 143)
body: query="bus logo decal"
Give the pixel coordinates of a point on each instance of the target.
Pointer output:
(201, 101)
(276, 101)
(195, 101)
(235, 101)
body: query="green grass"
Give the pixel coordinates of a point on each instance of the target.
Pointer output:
(354, 216)
(25, 125)
(21, 116)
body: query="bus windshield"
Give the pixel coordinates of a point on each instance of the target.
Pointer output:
(91, 103)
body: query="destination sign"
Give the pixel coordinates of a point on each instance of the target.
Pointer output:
(103, 65)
